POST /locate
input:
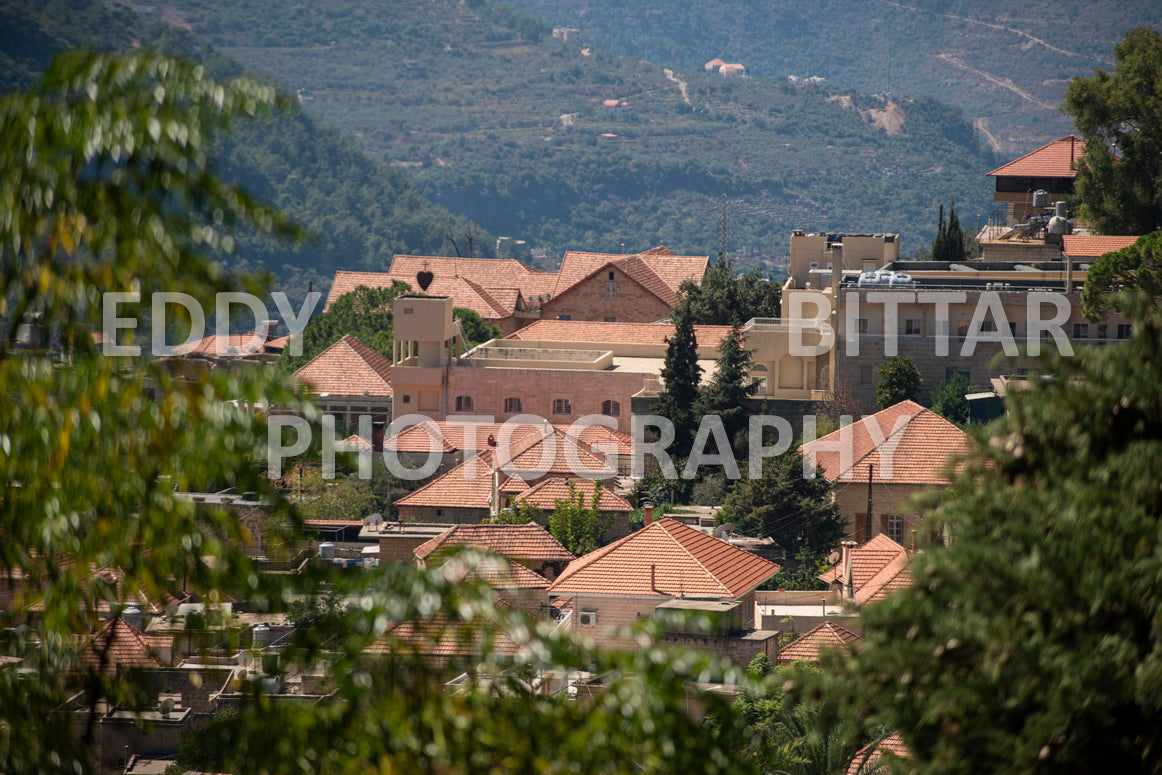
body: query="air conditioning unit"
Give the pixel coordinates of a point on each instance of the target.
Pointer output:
(588, 618)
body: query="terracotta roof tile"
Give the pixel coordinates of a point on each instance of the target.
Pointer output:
(125, 647)
(440, 637)
(613, 333)
(807, 646)
(866, 758)
(1057, 159)
(545, 494)
(680, 560)
(232, 345)
(347, 368)
(516, 542)
(1093, 245)
(877, 568)
(924, 442)
(658, 269)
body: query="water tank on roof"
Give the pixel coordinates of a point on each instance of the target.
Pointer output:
(327, 550)
(133, 617)
(1059, 225)
(1040, 198)
(262, 636)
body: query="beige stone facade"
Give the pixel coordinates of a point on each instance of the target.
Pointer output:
(609, 295)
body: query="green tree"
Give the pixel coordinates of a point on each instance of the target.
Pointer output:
(1138, 266)
(899, 380)
(1119, 116)
(364, 313)
(476, 329)
(345, 498)
(725, 298)
(103, 186)
(520, 513)
(948, 399)
(797, 513)
(726, 394)
(805, 575)
(1032, 634)
(681, 375)
(949, 244)
(579, 527)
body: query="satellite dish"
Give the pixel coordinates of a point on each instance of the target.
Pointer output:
(723, 530)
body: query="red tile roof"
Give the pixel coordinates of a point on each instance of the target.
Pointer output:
(924, 442)
(510, 575)
(489, 286)
(878, 567)
(441, 637)
(516, 542)
(807, 646)
(125, 646)
(347, 368)
(613, 333)
(658, 270)
(1093, 245)
(1057, 159)
(666, 558)
(865, 761)
(545, 494)
(232, 346)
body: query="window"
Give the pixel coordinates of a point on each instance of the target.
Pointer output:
(912, 327)
(463, 403)
(610, 319)
(562, 406)
(611, 288)
(406, 398)
(1013, 328)
(865, 374)
(1124, 330)
(863, 325)
(989, 325)
(439, 512)
(564, 317)
(1081, 330)
(962, 330)
(611, 277)
(1103, 331)
(512, 406)
(611, 408)
(896, 528)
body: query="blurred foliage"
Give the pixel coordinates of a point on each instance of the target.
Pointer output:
(1031, 643)
(113, 191)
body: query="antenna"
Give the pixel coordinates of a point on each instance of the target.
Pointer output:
(723, 228)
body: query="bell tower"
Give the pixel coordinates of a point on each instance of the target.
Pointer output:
(426, 342)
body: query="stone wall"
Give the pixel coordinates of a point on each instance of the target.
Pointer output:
(587, 300)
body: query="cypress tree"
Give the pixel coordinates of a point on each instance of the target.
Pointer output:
(681, 375)
(731, 386)
(953, 238)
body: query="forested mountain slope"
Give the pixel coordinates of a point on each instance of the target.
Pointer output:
(358, 210)
(501, 123)
(1005, 64)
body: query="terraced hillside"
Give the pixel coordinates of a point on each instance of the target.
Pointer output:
(569, 146)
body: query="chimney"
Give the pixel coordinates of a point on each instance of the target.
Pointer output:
(649, 512)
(848, 580)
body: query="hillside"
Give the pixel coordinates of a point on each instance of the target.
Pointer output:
(359, 211)
(501, 123)
(1005, 64)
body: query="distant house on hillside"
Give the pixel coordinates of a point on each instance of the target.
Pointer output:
(716, 65)
(567, 34)
(713, 65)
